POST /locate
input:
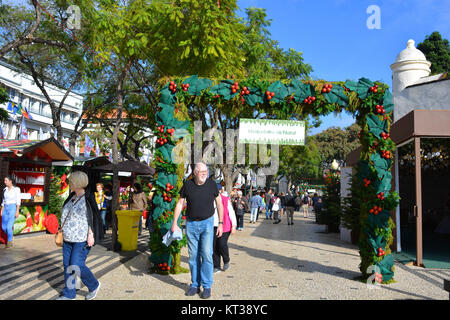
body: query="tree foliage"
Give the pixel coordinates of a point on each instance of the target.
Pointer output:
(437, 50)
(337, 143)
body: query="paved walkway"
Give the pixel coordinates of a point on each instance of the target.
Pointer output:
(268, 262)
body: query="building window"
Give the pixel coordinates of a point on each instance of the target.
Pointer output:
(12, 94)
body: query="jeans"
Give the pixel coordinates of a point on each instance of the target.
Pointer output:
(74, 261)
(268, 211)
(103, 215)
(254, 214)
(8, 219)
(290, 214)
(275, 215)
(240, 221)
(200, 239)
(220, 246)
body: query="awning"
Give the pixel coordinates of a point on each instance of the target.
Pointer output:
(136, 167)
(50, 146)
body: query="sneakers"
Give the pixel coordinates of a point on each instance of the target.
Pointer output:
(93, 294)
(64, 298)
(206, 293)
(226, 266)
(216, 270)
(192, 291)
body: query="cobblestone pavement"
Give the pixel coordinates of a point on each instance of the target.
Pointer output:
(268, 262)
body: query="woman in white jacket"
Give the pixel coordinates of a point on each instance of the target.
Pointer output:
(220, 245)
(276, 207)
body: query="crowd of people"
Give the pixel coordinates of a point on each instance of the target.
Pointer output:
(212, 216)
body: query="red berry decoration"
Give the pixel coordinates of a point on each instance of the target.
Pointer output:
(380, 109)
(374, 89)
(309, 100)
(366, 182)
(380, 196)
(327, 88)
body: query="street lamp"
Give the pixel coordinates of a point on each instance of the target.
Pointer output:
(334, 165)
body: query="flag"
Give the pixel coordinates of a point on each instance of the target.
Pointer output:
(14, 108)
(97, 149)
(110, 155)
(23, 130)
(10, 106)
(88, 144)
(148, 158)
(2, 134)
(41, 134)
(26, 114)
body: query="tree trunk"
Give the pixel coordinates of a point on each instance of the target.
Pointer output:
(73, 144)
(115, 199)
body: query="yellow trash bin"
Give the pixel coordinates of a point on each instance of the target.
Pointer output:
(128, 228)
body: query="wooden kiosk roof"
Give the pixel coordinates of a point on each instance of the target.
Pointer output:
(50, 146)
(417, 123)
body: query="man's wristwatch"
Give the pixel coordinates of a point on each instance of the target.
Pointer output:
(220, 222)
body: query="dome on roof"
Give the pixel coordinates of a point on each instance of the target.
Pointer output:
(411, 53)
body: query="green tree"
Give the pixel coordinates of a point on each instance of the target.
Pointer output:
(437, 51)
(336, 143)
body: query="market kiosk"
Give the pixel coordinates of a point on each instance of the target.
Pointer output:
(29, 163)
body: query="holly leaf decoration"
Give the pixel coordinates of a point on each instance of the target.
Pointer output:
(388, 103)
(165, 116)
(376, 125)
(167, 97)
(224, 89)
(337, 95)
(385, 267)
(378, 242)
(361, 87)
(166, 152)
(280, 91)
(164, 178)
(382, 165)
(255, 96)
(196, 84)
(301, 91)
(379, 220)
(384, 185)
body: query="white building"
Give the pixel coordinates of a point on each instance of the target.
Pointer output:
(22, 90)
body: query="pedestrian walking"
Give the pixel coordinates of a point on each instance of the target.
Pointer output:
(101, 203)
(108, 204)
(298, 201)
(220, 245)
(314, 200)
(276, 208)
(199, 194)
(290, 207)
(305, 205)
(269, 196)
(241, 205)
(283, 204)
(138, 202)
(10, 209)
(82, 229)
(256, 203)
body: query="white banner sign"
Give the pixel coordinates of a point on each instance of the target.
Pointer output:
(282, 132)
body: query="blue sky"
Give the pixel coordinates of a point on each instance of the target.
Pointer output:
(334, 37)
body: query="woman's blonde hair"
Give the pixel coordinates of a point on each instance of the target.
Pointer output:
(79, 179)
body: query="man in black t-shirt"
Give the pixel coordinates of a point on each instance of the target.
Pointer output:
(199, 194)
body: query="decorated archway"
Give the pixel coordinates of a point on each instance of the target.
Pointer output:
(372, 104)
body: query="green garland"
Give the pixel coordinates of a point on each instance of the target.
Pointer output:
(370, 102)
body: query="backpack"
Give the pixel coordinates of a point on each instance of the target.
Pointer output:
(298, 201)
(305, 200)
(272, 201)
